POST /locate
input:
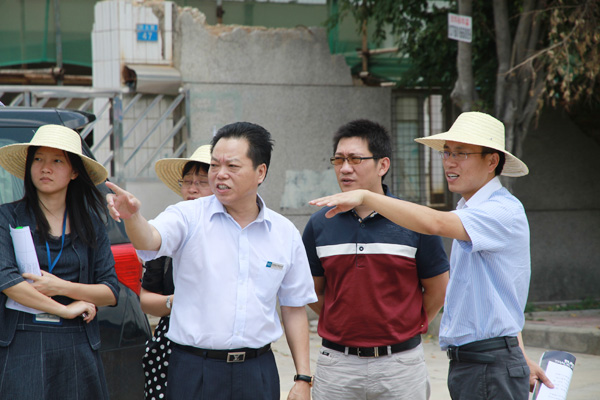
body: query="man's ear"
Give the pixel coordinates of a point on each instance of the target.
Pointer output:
(494, 160)
(384, 166)
(262, 172)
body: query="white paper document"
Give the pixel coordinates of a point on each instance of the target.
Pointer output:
(26, 260)
(558, 366)
(560, 376)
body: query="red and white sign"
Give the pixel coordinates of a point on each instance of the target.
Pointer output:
(460, 27)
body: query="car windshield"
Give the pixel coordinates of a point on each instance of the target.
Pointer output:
(11, 187)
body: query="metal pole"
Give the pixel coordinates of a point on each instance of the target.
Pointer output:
(117, 141)
(59, 54)
(22, 34)
(365, 46)
(220, 11)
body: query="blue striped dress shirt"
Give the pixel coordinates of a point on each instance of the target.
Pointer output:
(489, 275)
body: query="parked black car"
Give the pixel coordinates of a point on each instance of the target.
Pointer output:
(124, 329)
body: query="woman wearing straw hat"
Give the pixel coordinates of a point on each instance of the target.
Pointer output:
(50, 351)
(188, 177)
(490, 263)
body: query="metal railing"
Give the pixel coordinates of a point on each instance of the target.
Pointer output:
(115, 124)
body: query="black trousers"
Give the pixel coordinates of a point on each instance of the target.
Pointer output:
(505, 379)
(194, 377)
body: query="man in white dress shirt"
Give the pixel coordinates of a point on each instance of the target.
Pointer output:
(232, 259)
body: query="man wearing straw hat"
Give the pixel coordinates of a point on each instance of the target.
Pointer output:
(232, 259)
(490, 264)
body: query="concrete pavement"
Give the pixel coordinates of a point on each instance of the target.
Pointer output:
(585, 384)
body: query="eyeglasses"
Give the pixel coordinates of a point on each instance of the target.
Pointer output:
(185, 183)
(457, 156)
(354, 160)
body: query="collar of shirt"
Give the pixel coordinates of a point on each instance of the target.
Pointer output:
(483, 194)
(216, 207)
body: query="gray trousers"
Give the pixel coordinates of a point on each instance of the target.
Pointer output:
(505, 379)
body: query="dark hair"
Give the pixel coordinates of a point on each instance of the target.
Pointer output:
(501, 158)
(194, 167)
(82, 197)
(377, 137)
(260, 143)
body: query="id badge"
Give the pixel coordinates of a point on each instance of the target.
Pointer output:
(48, 319)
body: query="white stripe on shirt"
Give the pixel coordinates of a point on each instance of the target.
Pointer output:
(366, 248)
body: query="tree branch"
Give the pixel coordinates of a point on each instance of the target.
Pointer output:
(541, 52)
(523, 32)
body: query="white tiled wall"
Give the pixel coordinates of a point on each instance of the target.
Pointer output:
(114, 44)
(114, 38)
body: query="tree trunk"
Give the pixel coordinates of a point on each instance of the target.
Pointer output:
(463, 93)
(518, 85)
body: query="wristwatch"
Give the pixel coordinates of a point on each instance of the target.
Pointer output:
(169, 302)
(305, 378)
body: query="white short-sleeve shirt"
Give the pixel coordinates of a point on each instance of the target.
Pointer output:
(227, 279)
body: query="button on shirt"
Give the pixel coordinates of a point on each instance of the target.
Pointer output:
(227, 279)
(489, 276)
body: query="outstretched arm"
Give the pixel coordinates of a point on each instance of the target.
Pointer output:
(412, 216)
(124, 205)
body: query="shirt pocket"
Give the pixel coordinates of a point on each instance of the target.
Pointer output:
(267, 279)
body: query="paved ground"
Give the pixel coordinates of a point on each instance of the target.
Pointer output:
(575, 331)
(585, 384)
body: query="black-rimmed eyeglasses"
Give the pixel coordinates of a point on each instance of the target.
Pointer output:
(354, 160)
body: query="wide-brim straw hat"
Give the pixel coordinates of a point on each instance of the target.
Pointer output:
(14, 156)
(478, 129)
(169, 169)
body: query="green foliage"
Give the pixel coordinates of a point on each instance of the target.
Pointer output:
(421, 34)
(567, 53)
(433, 56)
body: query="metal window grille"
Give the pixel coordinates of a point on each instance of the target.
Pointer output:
(417, 170)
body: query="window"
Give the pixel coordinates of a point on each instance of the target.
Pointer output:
(417, 172)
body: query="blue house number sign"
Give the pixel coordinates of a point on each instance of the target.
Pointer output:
(147, 32)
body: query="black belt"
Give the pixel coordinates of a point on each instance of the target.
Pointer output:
(231, 356)
(474, 352)
(374, 351)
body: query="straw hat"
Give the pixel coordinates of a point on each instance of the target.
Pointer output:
(14, 156)
(169, 169)
(482, 130)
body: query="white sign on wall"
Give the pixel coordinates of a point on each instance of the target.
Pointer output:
(460, 27)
